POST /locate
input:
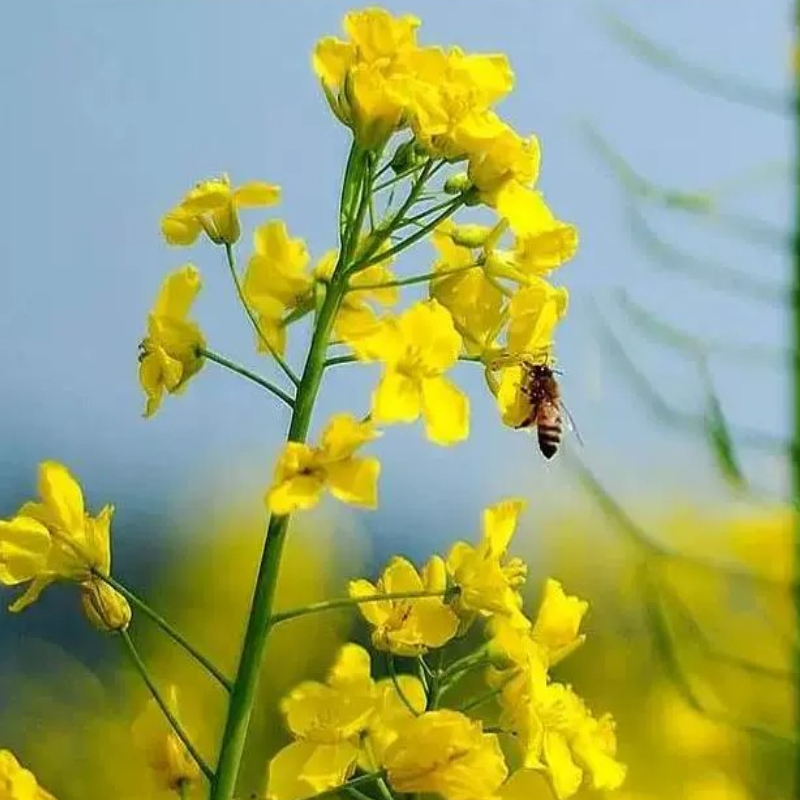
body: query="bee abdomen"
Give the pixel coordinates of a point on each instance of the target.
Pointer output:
(549, 436)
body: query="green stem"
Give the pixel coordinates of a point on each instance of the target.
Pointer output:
(246, 373)
(335, 360)
(397, 178)
(162, 704)
(795, 442)
(490, 694)
(348, 602)
(417, 218)
(289, 372)
(244, 688)
(176, 637)
(391, 669)
(371, 777)
(428, 276)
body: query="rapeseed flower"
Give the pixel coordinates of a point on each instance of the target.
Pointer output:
(212, 206)
(408, 627)
(446, 753)
(55, 538)
(417, 348)
(346, 721)
(166, 755)
(169, 354)
(303, 472)
(16, 782)
(488, 582)
(276, 280)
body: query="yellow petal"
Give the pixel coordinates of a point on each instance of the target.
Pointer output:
(434, 574)
(285, 780)
(329, 765)
(445, 409)
(514, 403)
(332, 58)
(499, 524)
(397, 398)
(436, 622)
(255, 194)
(343, 435)
(178, 292)
(377, 34)
(24, 546)
(401, 576)
(525, 784)
(565, 773)
(375, 612)
(295, 494)
(31, 594)
(179, 227)
(210, 195)
(352, 666)
(428, 328)
(558, 622)
(62, 494)
(355, 481)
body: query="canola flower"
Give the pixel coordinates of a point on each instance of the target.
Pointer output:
(414, 112)
(16, 782)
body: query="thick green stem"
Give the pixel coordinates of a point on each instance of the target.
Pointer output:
(255, 639)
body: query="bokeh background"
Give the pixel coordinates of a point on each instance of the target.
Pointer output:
(674, 357)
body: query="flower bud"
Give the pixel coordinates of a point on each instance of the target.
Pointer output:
(105, 607)
(471, 236)
(407, 155)
(456, 184)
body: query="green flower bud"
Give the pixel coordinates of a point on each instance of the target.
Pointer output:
(456, 184)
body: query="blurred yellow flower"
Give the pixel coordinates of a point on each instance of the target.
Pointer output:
(417, 348)
(408, 627)
(212, 206)
(16, 782)
(488, 583)
(276, 280)
(54, 538)
(303, 472)
(328, 720)
(168, 354)
(166, 755)
(445, 753)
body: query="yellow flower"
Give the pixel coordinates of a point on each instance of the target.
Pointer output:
(488, 584)
(445, 753)
(54, 538)
(276, 280)
(212, 206)
(328, 720)
(554, 729)
(105, 607)
(169, 352)
(470, 295)
(535, 311)
(356, 319)
(558, 622)
(16, 782)
(417, 348)
(166, 754)
(504, 172)
(303, 472)
(366, 78)
(525, 784)
(549, 244)
(408, 627)
(391, 713)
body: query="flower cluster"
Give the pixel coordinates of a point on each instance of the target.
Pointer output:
(399, 729)
(55, 538)
(427, 143)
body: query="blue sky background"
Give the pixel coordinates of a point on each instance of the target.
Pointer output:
(113, 108)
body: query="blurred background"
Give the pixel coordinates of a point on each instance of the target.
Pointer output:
(667, 136)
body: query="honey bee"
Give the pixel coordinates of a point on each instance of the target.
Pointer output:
(547, 411)
(539, 384)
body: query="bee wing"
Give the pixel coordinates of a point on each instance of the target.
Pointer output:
(571, 423)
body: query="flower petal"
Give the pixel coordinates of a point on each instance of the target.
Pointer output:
(255, 194)
(24, 546)
(295, 494)
(499, 524)
(397, 398)
(445, 409)
(62, 494)
(355, 481)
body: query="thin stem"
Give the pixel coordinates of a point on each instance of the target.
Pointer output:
(417, 218)
(289, 372)
(371, 777)
(246, 373)
(383, 788)
(347, 602)
(428, 276)
(410, 240)
(397, 178)
(176, 637)
(390, 667)
(335, 360)
(490, 694)
(141, 668)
